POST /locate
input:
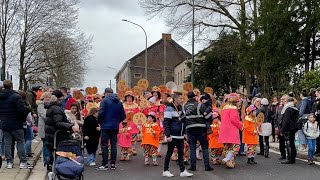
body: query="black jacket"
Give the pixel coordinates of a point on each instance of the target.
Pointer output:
(195, 114)
(289, 118)
(267, 113)
(174, 122)
(55, 120)
(13, 112)
(89, 129)
(316, 108)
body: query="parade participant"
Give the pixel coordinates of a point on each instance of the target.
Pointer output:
(91, 133)
(196, 130)
(131, 107)
(150, 139)
(311, 130)
(158, 108)
(124, 138)
(250, 133)
(216, 148)
(229, 130)
(174, 130)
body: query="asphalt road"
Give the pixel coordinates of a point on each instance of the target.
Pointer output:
(268, 169)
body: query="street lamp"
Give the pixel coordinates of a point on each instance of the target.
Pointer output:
(112, 69)
(146, 53)
(192, 66)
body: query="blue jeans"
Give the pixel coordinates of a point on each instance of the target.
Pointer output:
(28, 139)
(311, 147)
(106, 135)
(201, 136)
(9, 138)
(45, 153)
(302, 138)
(91, 158)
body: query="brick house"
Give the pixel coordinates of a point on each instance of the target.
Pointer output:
(163, 56)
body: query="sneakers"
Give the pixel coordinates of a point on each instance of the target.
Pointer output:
(102, 167)
(92, 164)
(185, 173)
(9, 165)
(25, 166)
(167, 174)
(113, 167)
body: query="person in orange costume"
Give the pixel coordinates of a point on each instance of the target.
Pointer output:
(216, 148)
(130, 106)
(158, 107)
(250, 134)
(150, 139)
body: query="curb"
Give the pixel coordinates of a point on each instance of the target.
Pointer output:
(299, 155)
(37, 152)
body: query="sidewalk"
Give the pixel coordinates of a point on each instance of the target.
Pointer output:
(300, 154)
(21, 174)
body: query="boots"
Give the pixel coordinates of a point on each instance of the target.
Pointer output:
(266, 152)
(310, 162)
(251, 161)
(134, 152)
(122, 158)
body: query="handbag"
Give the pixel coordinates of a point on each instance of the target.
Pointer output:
(266, 129)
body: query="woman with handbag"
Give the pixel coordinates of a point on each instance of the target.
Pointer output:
(265, 130)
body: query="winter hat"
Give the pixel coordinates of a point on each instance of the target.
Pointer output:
(108, 90)
(250, 109)
(233, 97)
(265, 102)
(205, 97)
(127, 94)
(57, 93)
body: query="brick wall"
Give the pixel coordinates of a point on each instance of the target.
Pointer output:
(175, 55)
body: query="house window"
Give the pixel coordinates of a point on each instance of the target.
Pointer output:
(178, 79)
(184, 74)
(137, 75)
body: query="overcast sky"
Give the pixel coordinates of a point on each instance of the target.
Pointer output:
(115, 41)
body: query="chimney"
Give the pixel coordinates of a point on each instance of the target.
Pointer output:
(166, 37)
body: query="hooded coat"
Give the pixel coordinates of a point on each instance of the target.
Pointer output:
(13, 112)
(55, 120)
(111, 112)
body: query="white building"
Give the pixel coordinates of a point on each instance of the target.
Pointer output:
(181, 74)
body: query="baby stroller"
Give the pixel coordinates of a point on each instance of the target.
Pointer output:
(68, 160)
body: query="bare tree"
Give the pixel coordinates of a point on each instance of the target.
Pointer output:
(8, 10)
(64, 57)
(35, 18)
(211, 18)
